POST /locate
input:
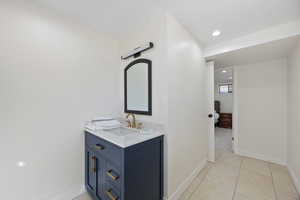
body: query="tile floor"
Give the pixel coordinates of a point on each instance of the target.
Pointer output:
(233, 177)
(83, 197)
(223, 139)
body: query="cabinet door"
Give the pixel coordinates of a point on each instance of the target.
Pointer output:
(91, 170)
(94, 174)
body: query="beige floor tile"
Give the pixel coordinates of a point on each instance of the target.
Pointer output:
(239, 196)
(229, 158)
(255, 186)
(196, 183)
(234, 177)
(218, 154)
(219, 183)
(85, 196)
(288, 196)
(257, 166)
(223, 139)
(214, 190)
(186, 195)
(221, 171)
(283, 183)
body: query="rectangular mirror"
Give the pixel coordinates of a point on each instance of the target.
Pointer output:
(138, 87)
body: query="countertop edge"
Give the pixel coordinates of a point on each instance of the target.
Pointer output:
(158, 134)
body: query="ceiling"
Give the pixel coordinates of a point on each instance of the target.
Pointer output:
(112, 17)
(259, 53)
(223, 77)
(234, 18)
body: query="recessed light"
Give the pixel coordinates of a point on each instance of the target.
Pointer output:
(224, 71)
(216, 33)
(21, 164)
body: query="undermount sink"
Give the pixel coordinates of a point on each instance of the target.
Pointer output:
(125, 131)
(122, 131)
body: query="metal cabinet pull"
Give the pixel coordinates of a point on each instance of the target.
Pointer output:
(95, 164)
(110, 195)
(109, 173)
(99, 147)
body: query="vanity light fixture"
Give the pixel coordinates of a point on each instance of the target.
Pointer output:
(216, 33)
(137, 51)
(224, 71)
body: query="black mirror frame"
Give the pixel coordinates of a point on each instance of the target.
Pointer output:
(149, 62)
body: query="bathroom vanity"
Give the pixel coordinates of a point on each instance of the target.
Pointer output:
(124, 164)
(127, 163)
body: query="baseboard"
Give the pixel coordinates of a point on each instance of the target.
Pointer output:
(83, 190)
(260, 157)
(71, 193)
(295, 178)
(187, 182)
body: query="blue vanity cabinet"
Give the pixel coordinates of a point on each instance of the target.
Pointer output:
(94, 166)
(131, 173)
(91, 169)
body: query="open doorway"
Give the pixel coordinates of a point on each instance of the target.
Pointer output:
(223, 103)
(258, 96)
(221, 112)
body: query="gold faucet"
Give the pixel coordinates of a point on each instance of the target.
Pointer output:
(131, 124)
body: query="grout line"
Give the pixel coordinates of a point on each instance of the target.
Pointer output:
(237, 180)
(274, 189)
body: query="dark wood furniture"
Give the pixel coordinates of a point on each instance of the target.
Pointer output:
(225, 120)
(218, 110)
(218, 106)
(131, 173)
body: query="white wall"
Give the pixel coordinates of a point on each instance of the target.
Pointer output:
(293, 139)
(54, 76)
(226, 100)
(187, 107)
(261, 110)
(153, 31)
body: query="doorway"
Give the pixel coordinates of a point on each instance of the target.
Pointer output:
(223, 101)
(221, 111)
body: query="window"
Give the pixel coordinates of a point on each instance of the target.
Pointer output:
(225, 88)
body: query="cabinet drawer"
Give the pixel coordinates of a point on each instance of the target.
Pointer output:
(111, 193)
(104, 148)
(112, 175)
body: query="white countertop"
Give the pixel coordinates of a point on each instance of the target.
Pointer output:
(125, 137)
